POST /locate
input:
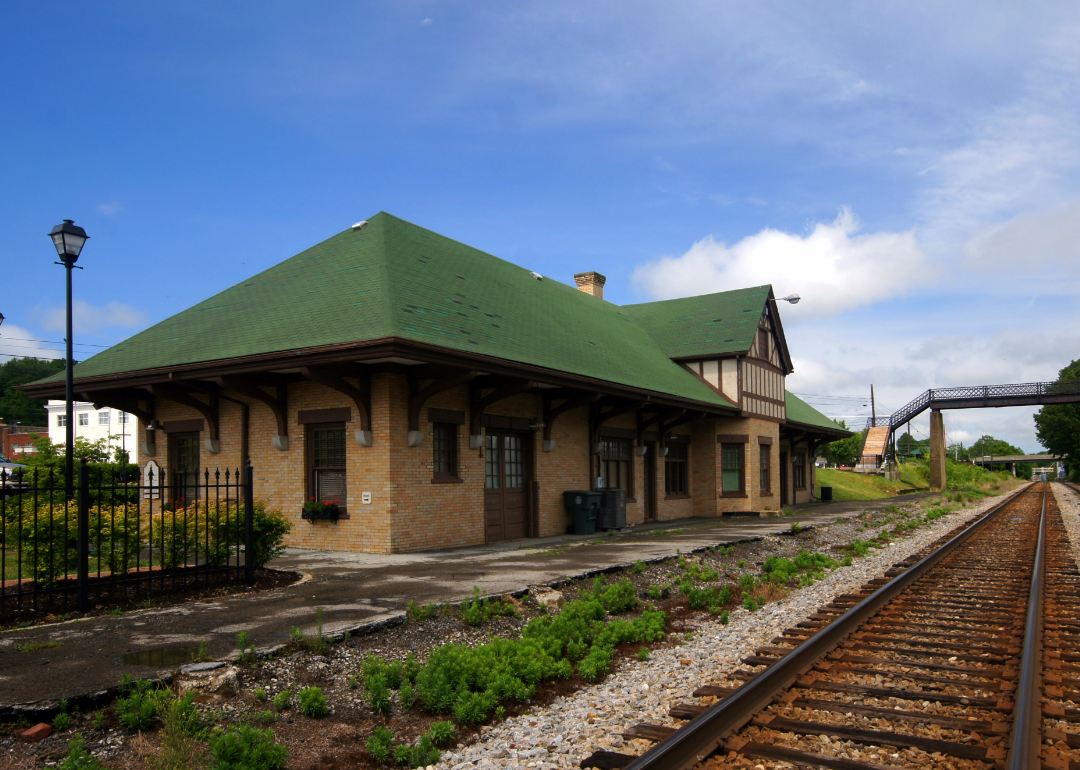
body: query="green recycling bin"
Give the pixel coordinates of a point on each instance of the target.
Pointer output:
(583, 504)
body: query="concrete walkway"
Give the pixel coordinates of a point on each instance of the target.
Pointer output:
(357, 591)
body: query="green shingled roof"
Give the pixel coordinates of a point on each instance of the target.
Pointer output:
(395, 279)
(710, 324)
(801, 412)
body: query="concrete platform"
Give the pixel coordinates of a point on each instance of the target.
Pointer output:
(357, 591)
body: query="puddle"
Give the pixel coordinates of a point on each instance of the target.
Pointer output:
(159, 657)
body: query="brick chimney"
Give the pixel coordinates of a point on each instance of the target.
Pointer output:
(591, 283)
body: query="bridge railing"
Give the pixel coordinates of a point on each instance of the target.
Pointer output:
(986, 392)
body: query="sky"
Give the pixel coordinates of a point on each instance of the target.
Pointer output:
(912, 170)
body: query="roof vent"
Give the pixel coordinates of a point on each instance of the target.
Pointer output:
(536, 275)
(360, 225)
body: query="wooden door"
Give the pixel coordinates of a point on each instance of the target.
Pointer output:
(649, 473)
(783, 479)
(184, 464)
(507, 471)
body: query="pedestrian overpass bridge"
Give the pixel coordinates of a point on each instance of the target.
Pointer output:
(880, 431)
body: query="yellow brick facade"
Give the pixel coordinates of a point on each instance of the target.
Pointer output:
(409, 512)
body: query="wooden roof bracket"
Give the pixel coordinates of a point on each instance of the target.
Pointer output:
(687, 415)
(209, 410)
(418, 397)
(129, 404)
(552, 412)
(361, 396)
(642, 425)
(478, 403)
(279, 405)
(599, 417)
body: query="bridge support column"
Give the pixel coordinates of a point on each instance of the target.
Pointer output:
(937, 451)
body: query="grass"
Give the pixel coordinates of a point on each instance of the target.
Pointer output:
(35, 646)
(848, 485)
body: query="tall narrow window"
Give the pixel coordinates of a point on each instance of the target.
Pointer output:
(615, 464)
(326, 462)
(444, 452)
(764, 469)
(798, 468)
(676, 474)
(491, 461)
(763, 344)
(731, 458)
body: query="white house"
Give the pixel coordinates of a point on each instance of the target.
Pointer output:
(118, 428)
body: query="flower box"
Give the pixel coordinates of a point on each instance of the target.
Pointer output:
(314, 511)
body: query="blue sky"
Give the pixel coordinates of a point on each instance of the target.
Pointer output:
(911, 169)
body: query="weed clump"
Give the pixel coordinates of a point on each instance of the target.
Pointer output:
(247, 748)
(312, 703)
(78, 758)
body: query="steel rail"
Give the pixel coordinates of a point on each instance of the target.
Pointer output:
(1026, 736)
(702, 736)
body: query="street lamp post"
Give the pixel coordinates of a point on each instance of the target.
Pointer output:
(68, 238)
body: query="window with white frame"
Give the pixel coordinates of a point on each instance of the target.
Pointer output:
(123, 418)
(102, 418)
(61, 421)
(84, 418)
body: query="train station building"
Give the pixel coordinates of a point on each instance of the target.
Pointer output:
(445, 397)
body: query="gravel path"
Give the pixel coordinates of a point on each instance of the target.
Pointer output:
(571, 728)
(1069, 505)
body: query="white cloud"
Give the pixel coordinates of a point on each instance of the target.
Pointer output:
(425, 22)
(833, 267)
(19, 342)
(93, 318)
(1032, 239)
(108, 209)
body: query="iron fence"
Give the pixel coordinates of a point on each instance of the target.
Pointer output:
(123, 536)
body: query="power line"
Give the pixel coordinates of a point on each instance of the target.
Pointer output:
(55, 342)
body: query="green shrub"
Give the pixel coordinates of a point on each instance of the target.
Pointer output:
(247, 649)
(420, 755)
(750, 603)
(725, 616)
(378, 693)
(442, 733)
(61, 721)
(474, 612)
(420, 612)
(137, 711)
(282, 700)
(638, 568)
(266, 717)
(312, 703)
(643, 654)
(259, 694)
(381, 744)
(407, 695)
(654, 592)
(247, 748)
(271, 526)
(78, 758)
(617, 598)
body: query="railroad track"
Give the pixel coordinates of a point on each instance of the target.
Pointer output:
(963, 657)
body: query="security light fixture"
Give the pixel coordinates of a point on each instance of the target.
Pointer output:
(792, 298)
(68, 238)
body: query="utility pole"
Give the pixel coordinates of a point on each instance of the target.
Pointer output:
(873, 408)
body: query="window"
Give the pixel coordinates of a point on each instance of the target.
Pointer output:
(798, 466)
(84, 418)
(615, 464)
(102, 418)
(61, 421)
(326, 462)
(675, 471)
(444, 452)
(731, 458)
(184, 466)
(123, 418)
(764, 470)
(763, 344)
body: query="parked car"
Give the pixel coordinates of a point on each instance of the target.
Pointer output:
(10, 484)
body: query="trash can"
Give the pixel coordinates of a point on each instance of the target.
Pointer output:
(826, 495)
(583, 505)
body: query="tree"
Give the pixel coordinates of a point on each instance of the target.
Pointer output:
(1057, 426)
(988, 446)
(846, 450)
(16, 406)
